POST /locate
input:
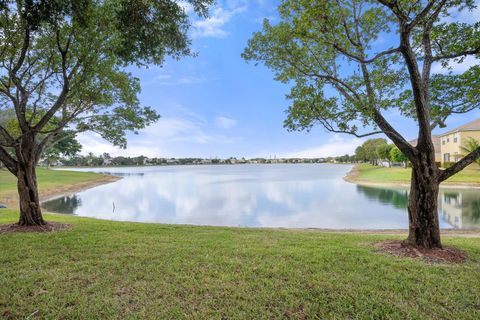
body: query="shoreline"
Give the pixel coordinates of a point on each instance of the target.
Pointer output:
(447, 232)
(78, 187)
(51, 194)
(352, 177)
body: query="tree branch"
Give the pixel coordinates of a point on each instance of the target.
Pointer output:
(21, 103)
(9, 140)
(460, 165)
(331, 129)
(8, 161)
(423, 14)
(393, 6)
(457, 54)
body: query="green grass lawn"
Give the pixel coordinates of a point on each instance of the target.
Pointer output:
(110, 270)
(48, 180)
(367, 172)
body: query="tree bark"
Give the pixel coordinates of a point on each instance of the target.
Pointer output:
(30, 211)
(424, 229)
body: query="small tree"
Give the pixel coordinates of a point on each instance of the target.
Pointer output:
(471, 145)
(65, 60)
(383, 152)
(371, 146)
(330, 46)
(396, 155)
(360, 154)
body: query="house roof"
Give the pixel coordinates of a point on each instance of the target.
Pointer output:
(435, 139)
(471, 126)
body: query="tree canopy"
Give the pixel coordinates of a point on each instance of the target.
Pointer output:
(66, 60)
(344, 80)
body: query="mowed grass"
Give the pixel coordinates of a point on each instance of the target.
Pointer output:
(111, 270)
(367, 172)
(48, 180)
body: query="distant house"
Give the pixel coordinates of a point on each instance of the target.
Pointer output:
(453, 140)
(436, 146)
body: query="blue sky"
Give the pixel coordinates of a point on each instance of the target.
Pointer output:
(217, 105)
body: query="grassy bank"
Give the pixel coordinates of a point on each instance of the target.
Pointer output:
(369, 173)
(110, 270)
(50, 182)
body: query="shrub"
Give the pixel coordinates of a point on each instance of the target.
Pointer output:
(447, 164)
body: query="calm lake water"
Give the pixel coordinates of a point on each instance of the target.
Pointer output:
(301, 195)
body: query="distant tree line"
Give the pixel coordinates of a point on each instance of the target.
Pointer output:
(67, 155)
(379, 151)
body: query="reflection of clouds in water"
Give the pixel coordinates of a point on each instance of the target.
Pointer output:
(246, 195)
(336, 206)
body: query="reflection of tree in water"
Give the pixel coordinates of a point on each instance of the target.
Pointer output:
(459, 208)
(471, 207)
(475, 207)
(397, 198)
(450, 197)
(66, 204)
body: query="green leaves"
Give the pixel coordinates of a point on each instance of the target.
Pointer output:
(396, 155)
(62, 62)
(343, 78)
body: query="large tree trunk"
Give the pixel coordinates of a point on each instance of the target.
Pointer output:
(30, 212)
(424, 230)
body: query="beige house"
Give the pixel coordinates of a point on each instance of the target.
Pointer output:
(459, 208)
(436, 145)
(452, 141)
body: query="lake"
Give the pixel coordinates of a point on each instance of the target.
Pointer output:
(277, 195)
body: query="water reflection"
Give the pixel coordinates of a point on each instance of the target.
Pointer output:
(457, 207)
(397, 198)
(65, 204)
(460, 209)
(312, 195)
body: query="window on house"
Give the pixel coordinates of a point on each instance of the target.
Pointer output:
(446, 157)
(455, 140)
(448, 139)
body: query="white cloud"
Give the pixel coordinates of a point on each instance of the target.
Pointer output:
(213, 25)
(336, 146)
(225, 122)
(186, 80)
(162, 77)
(160, 139)
(455, 67)
(465, 16)
(167, 80)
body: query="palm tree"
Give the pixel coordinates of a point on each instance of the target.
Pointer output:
(470, 145)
